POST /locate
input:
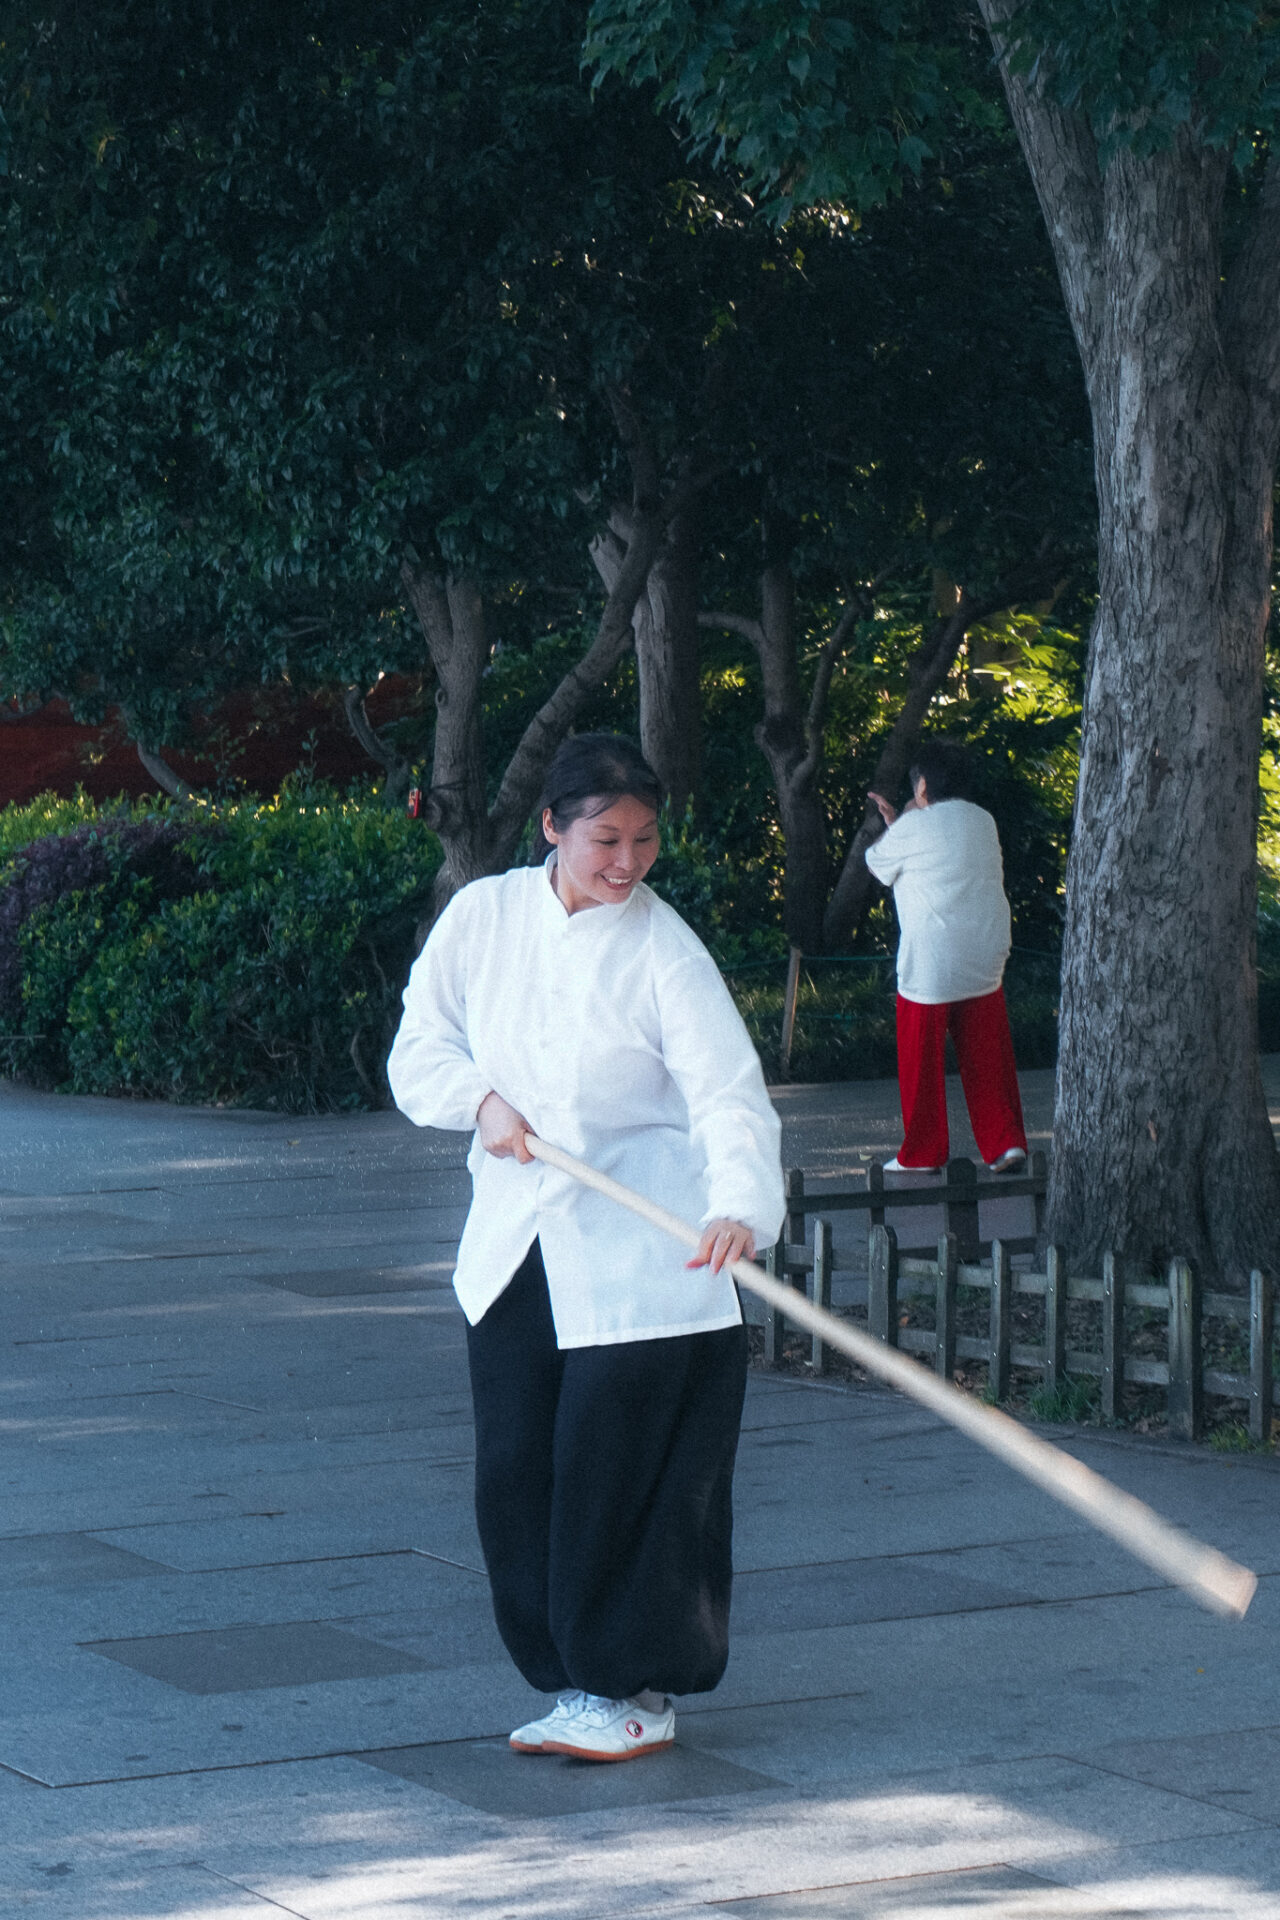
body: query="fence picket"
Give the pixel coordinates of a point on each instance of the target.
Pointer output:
(948, 1261)
(775, 1262)
(1261, 1384)
(1001, 1323)
(960, 1208)
(882, 1284)
(1186, 1384)
(820, 1292)
(1112, 1339)
(890, 1273)
(1055, 1319)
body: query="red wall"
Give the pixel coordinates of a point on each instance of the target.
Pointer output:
(49, 752)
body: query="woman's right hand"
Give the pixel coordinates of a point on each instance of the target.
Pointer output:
(502, 1130)
(885, 808)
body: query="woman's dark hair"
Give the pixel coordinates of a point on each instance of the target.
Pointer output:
(590, 771)
(943, 765)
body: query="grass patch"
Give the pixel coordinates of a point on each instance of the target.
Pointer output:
(1073, 1400)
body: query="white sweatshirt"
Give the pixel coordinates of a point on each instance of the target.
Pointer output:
(614, 1035)
(943, 863)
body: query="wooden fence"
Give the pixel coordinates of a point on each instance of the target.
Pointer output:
(1179, 1307)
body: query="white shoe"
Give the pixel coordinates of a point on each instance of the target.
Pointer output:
(1011, 1162)
(605, 1729)
(532, 1737)
(895, 1166)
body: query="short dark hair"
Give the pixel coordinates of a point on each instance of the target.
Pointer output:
(943, 765)
(589, 772)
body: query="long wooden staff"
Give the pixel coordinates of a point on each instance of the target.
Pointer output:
(1215, 1581)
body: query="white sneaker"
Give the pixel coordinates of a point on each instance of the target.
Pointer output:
(895, 1166)
(532, 1737)
(604, 1729)
(1011, 1162)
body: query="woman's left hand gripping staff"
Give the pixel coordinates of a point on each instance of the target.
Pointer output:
(723, 1241)
(502, 1130)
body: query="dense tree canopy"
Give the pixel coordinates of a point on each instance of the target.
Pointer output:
(347, 340)
(336, 294)
(1146, 127)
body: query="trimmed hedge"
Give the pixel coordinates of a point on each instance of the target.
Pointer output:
(255, 956)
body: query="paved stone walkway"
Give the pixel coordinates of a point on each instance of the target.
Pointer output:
(247, 1661)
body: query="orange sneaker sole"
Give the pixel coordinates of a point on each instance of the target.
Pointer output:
(588, 1753)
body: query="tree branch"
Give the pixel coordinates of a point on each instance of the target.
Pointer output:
(397, 768)
(930, 665)
(523, 777)
(165, 776)
(358, 720)
(1062, 156)
(430, 602)
(608, 549)
(821, 689)
(740, 623)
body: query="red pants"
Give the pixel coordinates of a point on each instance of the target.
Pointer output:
(984, 1047)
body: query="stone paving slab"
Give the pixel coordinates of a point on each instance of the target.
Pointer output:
(999, 1893)
(1240, 1770)
(483, 1774)
(1214, 1877)
(682, 1856)
(246, 1432)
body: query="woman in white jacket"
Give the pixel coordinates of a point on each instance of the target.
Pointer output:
(607, 1374)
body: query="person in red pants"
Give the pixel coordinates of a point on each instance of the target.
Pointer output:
(941, 856)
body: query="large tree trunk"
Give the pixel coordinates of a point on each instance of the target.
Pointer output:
(666, 629)
(794, 753)
(1161, 1141)
(665, 623)
(523, 778)
(478, 839)
(790, 736)
(451, 614)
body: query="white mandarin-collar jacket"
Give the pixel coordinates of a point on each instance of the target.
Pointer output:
(943, 863)
(614, 1035)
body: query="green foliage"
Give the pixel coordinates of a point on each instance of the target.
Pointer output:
(52, 813)
(811, 102)
(275, 981)
(694, 876)
(319, 295)
(824, 102)
(1143, 70)
(845, 1021)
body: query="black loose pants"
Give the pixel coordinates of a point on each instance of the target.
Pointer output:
(603, 1496)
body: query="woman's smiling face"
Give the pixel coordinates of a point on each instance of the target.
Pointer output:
(601, 857)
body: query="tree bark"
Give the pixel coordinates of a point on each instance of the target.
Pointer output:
(523, 778)
(398, 770)
(166, 777)
(451, 614)
(1161, 1140)
(479, 840)
(665, 623)
(790, 736)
